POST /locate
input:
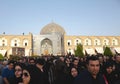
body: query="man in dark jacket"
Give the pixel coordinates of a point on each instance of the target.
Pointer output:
(41, 72)
(117, 66)
(91, 75)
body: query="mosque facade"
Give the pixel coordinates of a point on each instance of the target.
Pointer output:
(53, 40)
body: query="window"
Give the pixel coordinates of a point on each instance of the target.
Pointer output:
(87, 41)
(25, 44)
(15, 44)
(105, 42)
(3, 44)
(68, 43)
(87, 44)
(77, 41)
(114, 42)
(96, 42)
(3, 40)
(15, 40)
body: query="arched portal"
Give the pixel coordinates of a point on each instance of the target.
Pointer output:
(46, 47)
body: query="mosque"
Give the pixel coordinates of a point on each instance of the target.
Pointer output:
(53, 40)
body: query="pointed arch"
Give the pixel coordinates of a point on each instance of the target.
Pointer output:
(46, 47)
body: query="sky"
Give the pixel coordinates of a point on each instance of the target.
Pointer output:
(77, 17)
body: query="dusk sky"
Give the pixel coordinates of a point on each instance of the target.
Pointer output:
(77, 17)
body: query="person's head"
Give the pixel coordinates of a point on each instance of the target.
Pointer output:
(117, 58)
(62, 59)
(101, 59)
(11, 64)
(108, 67)
(75, 62)
(5, 63)
(18, 70)
(81, 59)
(67, 61)
(93, 65)
(31, 61)
(29, 75)
(40, 62)
(73, 72)
(26, 76)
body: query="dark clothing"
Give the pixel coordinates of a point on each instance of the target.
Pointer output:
(16, 80)
(9, 74)
(111, 78)
(117, 70)
(71, 79)
(1, 68)
(62, 78)
(117, 82)
(82, 65)
(39, 77)
(60, 71)
(86, 78)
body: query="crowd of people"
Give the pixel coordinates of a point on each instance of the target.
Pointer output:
(95, 69)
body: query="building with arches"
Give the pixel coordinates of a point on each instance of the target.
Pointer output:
(50, 41)
(18, 45)
(53, 40)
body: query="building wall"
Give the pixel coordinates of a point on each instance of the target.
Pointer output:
(113, 42)
(61, 43)
(9, 41)
(34, 43)
(55, 40)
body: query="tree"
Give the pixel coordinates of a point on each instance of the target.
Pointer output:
(107, 51)
(79, 51)
(1, 57)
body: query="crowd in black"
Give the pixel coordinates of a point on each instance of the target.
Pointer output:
(62, 70)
